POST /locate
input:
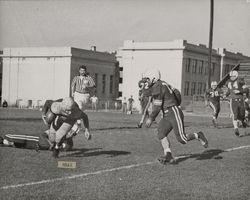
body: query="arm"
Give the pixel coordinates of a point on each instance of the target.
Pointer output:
(157, 104)
(73, 84)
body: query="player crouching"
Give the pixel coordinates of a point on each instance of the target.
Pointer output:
(62, 117)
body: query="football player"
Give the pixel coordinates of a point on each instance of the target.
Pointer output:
(167, 99)
(61, 116)
(212, 99)
(145, 99)
(237, 105)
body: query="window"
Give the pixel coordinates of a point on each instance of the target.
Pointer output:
(186, 88)
(111, 83)
(199, 89)
(187, 68)
(206, 68)
(194, 66)
(193, 88)
(204, 87)
(103, 83)
(213, 68)
(120, 80)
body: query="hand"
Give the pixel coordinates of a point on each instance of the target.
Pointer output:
(87, 134)
(44, 120)
(148, 122)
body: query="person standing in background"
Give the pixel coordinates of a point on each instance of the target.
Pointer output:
(94, 103)
(81, 87)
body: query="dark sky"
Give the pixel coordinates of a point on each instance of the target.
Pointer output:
(107, 23)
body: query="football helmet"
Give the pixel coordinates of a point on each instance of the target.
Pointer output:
(153, 75)
(214, 84)
(68, 103)
(233, 75)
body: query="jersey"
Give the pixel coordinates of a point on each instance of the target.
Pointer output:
(163, 98)
(235, 89)
(213, 95)
(144, 89)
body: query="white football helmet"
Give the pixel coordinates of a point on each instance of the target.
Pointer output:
(153, 75)
(233, 75)
(214, 84)
(68, 103)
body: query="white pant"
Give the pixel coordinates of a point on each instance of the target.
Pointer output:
(81, 99)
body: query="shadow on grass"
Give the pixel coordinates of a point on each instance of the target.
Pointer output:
(205, 155)
(112, 128)
(85, 152)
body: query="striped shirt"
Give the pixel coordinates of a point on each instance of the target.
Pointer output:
(82, 84)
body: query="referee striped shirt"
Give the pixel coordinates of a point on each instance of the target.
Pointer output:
(82, 84)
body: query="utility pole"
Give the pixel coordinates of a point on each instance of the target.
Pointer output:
(210, 42)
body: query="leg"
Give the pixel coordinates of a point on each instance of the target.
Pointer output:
(178, 126)
(60, 134)
(234, 113)
(164, 129)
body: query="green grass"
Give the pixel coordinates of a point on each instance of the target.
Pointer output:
(203, 174)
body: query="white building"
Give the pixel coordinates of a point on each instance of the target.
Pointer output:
(32, 75)
(183, 65)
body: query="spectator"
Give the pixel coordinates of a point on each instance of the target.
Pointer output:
(124, 105)
(94, 103)
(130, 105)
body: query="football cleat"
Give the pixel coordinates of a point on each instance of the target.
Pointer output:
(139, 125)
(1, 140)
(55, 153)
(214, 123)
(37, 147)
(236, 132)
(202, 139)
(168, 158)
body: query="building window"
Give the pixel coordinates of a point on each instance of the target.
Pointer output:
(193, 87)
(186, 88)
(204, 87)
(213, 68)
(111, 82)
(120, 80)
(199, 89)
(187, 68)
(103, 83)
(206, 68)
(194, 66)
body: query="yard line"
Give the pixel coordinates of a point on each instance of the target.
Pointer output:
(76, 176)
(102, 171)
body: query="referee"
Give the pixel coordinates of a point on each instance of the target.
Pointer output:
(81, 87)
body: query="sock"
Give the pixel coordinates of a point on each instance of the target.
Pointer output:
(196, 136)
(167, 150)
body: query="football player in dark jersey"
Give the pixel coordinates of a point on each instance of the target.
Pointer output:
(212, 99)
(145, 99)
(237, 105)
(167, 99)
(62, 117)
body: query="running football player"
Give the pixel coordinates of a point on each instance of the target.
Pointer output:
(212, 99)
(167, 99)
(237, 105)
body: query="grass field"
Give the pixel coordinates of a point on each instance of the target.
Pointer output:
(120, 162)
